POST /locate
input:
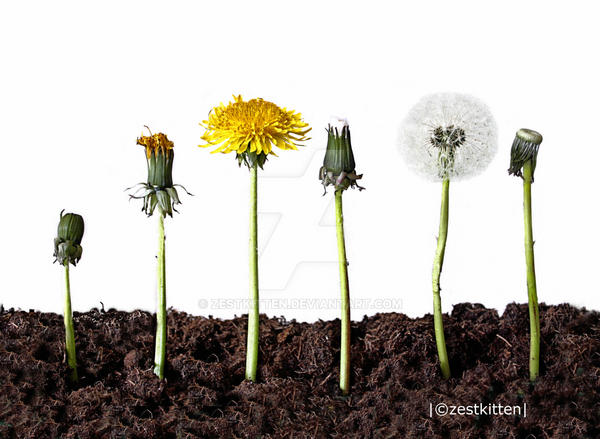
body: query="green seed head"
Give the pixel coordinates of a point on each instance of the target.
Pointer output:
(338, 168)
(67, 245)
(525, 147)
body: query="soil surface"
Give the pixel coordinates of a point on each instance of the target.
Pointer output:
(395, 377)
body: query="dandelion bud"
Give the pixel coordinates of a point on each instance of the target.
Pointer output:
(338, 165)
(67, 245)
(525, 147)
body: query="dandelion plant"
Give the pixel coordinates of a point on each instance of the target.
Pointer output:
(339, 171)
(251, 129)
(523, 158)
(447, 137)
(159, 192)
(68, 250)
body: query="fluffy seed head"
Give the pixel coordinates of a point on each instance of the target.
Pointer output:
(448, 135)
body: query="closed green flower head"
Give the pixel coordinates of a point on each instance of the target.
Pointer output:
(159, 190)
(525, 147)
(338, 168)
(67, 245)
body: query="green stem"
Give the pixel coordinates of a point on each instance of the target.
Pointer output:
(345, 290)
(253, 314)
(534, 317)
(69, 332)
(161, 312)
(438, 262)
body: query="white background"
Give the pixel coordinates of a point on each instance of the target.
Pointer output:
(79, 80)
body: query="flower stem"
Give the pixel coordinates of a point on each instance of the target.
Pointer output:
(345, 290)
(253, 315)
(161, 312)
(69, 332)
(534, 317)
(438, 262)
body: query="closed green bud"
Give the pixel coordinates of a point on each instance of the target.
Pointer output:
(338, 168)
(525, 147)
(67, 245)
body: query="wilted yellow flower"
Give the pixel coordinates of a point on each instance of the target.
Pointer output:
(253, 126)
(155, 143)
(158, 190)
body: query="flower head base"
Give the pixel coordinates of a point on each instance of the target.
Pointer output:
(448, 136)
(338, 165)
(159, 190)
(67, 245)
(525, 147)
(252, 128)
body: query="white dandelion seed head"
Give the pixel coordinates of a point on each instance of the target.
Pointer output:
(448, 135)
(338, 122)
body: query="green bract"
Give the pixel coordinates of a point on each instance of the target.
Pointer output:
(160, 168)
(67, 245)
(251, 159)
(338, 165)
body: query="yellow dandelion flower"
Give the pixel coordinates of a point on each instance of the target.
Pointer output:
(253, 126)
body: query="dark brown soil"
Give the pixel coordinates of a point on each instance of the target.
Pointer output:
(395, 377)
